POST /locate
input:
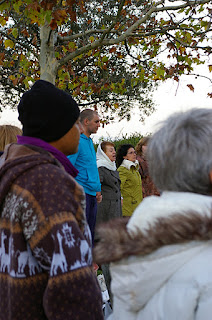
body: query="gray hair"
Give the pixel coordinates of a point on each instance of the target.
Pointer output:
(180, 152)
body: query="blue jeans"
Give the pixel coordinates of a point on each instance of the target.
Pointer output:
(91, 212)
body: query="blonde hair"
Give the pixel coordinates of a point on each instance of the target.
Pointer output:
(8, 134)
(142, 142)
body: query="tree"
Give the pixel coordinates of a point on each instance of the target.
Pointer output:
(107, 53)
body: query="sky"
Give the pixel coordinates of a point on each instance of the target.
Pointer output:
(170, 97)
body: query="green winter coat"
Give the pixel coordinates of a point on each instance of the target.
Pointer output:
(131, 186)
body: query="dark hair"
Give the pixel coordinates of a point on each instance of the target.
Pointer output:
(104, 144)
(87, 114)
(142, 142)
(122, 152)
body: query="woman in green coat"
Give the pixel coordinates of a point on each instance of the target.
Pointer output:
(131, 185)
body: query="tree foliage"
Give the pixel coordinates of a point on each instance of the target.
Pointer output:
(108, 54)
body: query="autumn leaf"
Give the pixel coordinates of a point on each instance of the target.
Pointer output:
(210, 95)
(2, 55)
(59, 15)
(91, 39)
(34, 40)
(25, 32)
(8, 44)
(3, 21)
(71, 2)
(190, 86)
(15, 32)
(53, 24)
(105, 59)
(210, 67)
(113, 49)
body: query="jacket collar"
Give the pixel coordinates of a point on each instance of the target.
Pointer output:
(85, 137)
(128, 164)
(180, 227)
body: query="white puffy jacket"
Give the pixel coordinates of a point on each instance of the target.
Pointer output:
(162, 259)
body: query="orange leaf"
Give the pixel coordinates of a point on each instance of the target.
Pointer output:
(25, 32)
(53, 24)
(59, 14)
(190, 86)
(15, 81)
(113, 49)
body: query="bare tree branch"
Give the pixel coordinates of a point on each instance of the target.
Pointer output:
(200, 75)
(86, 33)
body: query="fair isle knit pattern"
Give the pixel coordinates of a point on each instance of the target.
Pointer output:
(45, 247)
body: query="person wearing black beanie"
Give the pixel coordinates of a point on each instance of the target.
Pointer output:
(47, 112)
(46, 270)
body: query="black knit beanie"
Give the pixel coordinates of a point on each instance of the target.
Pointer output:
(47, 112)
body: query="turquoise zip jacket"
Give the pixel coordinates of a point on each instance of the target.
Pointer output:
(85, 162)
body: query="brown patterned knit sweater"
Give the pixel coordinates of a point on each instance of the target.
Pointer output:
(45, 248)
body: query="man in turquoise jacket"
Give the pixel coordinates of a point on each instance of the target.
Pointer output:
(85, 162)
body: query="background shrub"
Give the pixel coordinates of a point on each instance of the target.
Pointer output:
(133, 139)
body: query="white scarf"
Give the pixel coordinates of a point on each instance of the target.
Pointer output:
(103, 160)
(127, 164)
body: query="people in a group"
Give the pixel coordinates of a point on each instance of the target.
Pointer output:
(148, 187)
(110, 207)
(131, 185)
(8, 134)
(85, 162)
(162, 257)
(46, 253)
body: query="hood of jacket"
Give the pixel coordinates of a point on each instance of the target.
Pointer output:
(148, 248)
(17, 159)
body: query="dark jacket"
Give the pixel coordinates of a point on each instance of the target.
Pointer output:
(46, 260)
(110, 207)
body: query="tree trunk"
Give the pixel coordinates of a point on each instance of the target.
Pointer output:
(48, 62)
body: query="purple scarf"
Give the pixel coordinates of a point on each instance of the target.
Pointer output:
(56, 153)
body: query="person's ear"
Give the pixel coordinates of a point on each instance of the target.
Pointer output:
(86, 122)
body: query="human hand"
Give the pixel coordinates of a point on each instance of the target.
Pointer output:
(98, 197)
